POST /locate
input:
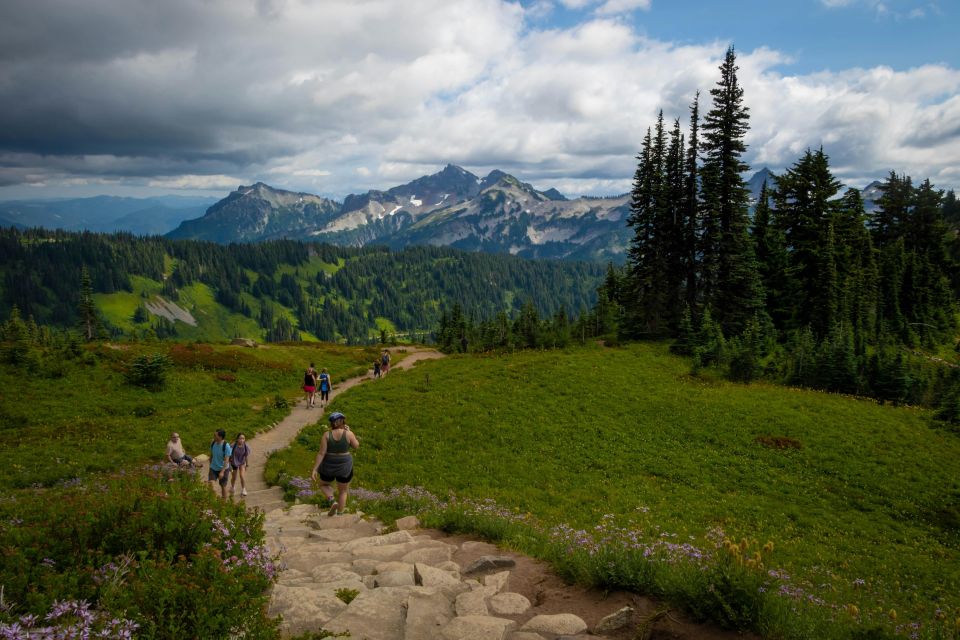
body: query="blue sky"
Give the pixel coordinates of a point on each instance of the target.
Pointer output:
(817, 36)
(136, 97)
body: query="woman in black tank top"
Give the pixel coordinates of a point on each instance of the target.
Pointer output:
(310, 385)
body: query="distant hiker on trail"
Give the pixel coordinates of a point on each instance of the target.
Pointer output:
(385, 363)
(310, 385)
(324, 387)
(334, 462)
(376, 368)
(238, 464)
(175, 453)
(219, 456)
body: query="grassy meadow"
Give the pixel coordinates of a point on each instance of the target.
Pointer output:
(861, 502)
(70, 418)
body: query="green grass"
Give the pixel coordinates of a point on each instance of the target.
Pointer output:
(872, 493)
(53, 428)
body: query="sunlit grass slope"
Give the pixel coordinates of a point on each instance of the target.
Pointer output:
(91, 419)
(871, 494)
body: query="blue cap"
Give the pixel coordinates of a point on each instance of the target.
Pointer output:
(336, 415)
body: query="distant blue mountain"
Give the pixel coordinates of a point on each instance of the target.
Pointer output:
(142, 216)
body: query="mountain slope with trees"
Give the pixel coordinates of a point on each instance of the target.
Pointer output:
(275, 290)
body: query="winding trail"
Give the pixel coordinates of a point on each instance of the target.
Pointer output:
(263, 444)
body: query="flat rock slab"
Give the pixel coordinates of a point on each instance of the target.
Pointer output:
(478, 628)
(433, 555)
(375, 615)
(525, 635)
(489, 563)
(428, 576)
(397, 537)
(307, 560)
(561, 624)
(508, 604)
(302, 608)
(427, 614)
(474, 603)
(408, 522)
(344, 535)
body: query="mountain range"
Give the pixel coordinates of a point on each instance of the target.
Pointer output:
(454, 207)
(141, 216)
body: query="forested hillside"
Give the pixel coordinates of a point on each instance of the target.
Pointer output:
(278, 291)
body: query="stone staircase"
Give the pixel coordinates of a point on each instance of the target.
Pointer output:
(408, 585)
(342, 574)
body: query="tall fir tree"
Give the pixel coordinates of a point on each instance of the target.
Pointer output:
(804, 207)
(691, 210)
(86, 308)
(729, 276)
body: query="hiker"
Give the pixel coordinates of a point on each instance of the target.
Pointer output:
(385, 363)
(334, 462)
(175, 453)
(219, 457)
(238, 464)
(376, 368)
(310, 385)
(324, 387)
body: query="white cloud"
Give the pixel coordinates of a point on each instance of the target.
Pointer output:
(342, 96)
(193, 183)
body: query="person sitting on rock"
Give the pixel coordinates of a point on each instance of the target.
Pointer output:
(175, 453)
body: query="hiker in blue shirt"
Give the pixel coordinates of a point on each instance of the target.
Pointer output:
(219, 455)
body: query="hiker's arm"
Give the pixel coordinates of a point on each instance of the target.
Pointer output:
(353, 440)
(319, 458)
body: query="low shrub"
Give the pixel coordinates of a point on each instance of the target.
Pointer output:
(153, 549)
(149, 372)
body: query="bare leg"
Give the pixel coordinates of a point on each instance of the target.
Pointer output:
(326, 490)
(342, 490)
(242, 472)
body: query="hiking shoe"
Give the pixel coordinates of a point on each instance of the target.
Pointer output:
(244, 492)
(333, 509)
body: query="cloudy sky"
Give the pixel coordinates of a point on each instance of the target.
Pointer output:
(139, 97)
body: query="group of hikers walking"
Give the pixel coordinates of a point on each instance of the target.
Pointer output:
(228, 462)
(332, 466)
(313, 382)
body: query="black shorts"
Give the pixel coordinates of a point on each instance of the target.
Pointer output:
(341, 479)
(215, 475)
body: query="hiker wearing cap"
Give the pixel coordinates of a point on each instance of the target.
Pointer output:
(175, 453)
(219, 455)
(335, 462)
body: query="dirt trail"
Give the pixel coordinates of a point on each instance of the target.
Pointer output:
(530, 577)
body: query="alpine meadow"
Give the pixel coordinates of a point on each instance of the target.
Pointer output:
(724, 395)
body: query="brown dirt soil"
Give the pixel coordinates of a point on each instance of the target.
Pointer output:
(550, 594)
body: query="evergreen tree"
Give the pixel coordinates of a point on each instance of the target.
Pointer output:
(730, 280)
(87, 308)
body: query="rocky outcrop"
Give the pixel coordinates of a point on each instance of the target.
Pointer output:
(342, 574)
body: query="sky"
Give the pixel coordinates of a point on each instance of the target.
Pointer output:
(196, 97)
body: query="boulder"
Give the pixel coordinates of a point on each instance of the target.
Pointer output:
(244, 342)
(508, 604)
(401, 578)
(616, 620)
(498, 581)
(561, 624)
(408, 522)
(477, 628)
